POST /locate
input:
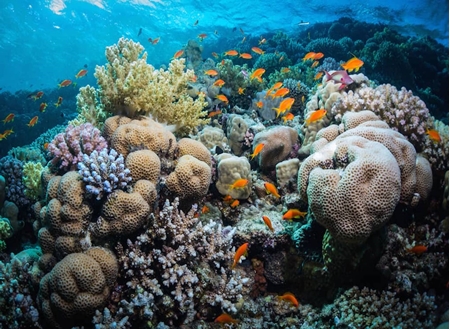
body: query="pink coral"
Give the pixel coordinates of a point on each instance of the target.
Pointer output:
(67, 148)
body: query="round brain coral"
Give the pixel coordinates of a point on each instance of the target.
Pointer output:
(76, 287)
(194, 148)
(190, 179)
(143, 164)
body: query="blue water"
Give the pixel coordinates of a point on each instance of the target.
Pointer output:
(44, 42)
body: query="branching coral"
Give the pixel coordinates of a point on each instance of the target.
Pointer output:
(179, 267)
(32, 180)
(130, 86)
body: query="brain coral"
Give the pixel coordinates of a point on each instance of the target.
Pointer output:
(144, 164)
(77, 286)
(231, 168)
(194, 148)
(190, 179)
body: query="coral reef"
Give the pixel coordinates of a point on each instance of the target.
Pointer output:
(230, 168)
(89, 108)
(32, 180)
(12, 170)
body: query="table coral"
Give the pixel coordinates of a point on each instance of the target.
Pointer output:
(131, 87)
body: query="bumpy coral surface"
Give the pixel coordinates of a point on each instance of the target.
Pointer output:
(76, 287)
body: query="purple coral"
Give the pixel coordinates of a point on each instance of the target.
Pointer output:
(11, 169)
(67, 148)
(103, 172)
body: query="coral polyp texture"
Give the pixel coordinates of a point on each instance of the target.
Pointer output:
(128, 85)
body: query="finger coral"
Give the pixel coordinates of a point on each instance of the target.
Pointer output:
(131, 87)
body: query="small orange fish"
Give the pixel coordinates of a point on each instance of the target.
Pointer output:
(353, 64)
(317, 56)
(294, 213)
(215, 55)
(193, 79)
(257, 50)
(241, 91)
(318, 75)
(262, 41)
(231, 53)
(267, 222)
(281, 92)
(8, 132)
(234, 204)
(260, 104)
(275, 86)
(285, 70)
(314, 64)
(9, 118)
(309, 55)
(257, 150)
(214, 113)
(245, 56)
(155, 41)
(38, 95)
(239, 183)
(42, 107)
(46, 145)
(257, 73)
(202, 36)
(271, 189)
(289, 297)
(33, 121)
(227, 199)
(288, 117)
(178, 54)
(242, 251)
(222, 62)
(58, 103)
(211, 72)
(81, 73)
(225, 318)
(219, 83)
(284, 106)
(205, 209)
(65, 83)
(315, 116)
(433, 135)
(418, 250)
(222, 98)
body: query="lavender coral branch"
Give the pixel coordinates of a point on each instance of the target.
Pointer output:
(103, 172)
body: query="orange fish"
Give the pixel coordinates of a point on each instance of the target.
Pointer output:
(46, 145)
(58, 103)
(418, 250)
(231, 53)
(257, 74)
(275, 86)
(178, 54)
(42, 107)
(234, 204)
(434, 135)
(241, 91)
(318, 75)
(222, 62)
(309, 55)
(267, 222)
(65, 83)
(33, 121)
(202, 36)
(353, 64)
(285, 70)
(38, 95)
(193, 79)
(156, 40)
(317, 56)
(281, 92)
(222, 98)
(9, 118)
(8, 132)
(258, 50)
(211, 72)
(219, 83)
(289, 297)
(214, 113)
(315, 116)
(257, 150)
(239, 183)
(205, 209)
(271, 189)
(285, 105)
(225, 318)
(288, 117)
(314, 64)
(260, 104)
(81, 73)
(294, 213)
(245, 56)
(227, 198)
(242, 251)
(215, 55)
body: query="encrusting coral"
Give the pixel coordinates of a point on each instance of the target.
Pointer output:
(131, 87)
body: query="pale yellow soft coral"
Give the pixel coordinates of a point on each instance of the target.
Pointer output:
(130, 86)
(89, 108)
